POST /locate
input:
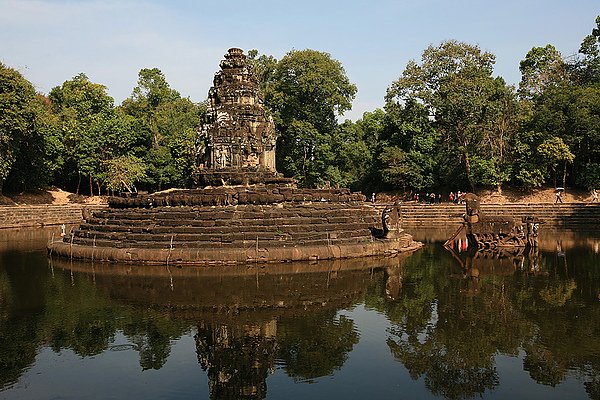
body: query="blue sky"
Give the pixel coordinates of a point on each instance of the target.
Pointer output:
(53, 40)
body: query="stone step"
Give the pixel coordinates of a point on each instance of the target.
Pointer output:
(244, 222)
(206, 245)
(229, 214)
(290, 234)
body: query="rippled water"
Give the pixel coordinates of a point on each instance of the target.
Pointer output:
(436, 324)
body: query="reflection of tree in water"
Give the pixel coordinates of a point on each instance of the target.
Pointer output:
(19, 320)
(566, 314)
(455, 351)
(6, 296)
(450, 336)
(442, 333)
(542, 366)
(449, 374)
(19, 347)
(237, 358)
(315, 345)
(592, 387)
(68, 312)
(85, 310)
(152, 334)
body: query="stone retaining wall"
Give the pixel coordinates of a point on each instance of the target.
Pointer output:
(564, 215)
(41, 215)
(237, 195)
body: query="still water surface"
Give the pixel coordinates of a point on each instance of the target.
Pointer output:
(435, 324)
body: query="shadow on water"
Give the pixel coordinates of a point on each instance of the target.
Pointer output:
(448, 317)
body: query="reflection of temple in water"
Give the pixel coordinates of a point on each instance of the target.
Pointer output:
(237, 359)
(238, 312)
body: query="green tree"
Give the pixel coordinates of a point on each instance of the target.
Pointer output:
(309, 90)
(123, 172)
(407, 147)
(169, 123)
(542, 67)
(352, 155)
(571, 113)
(563, 102)
(40, 156)
(87, 118)
(264, 68)
(454, 82)
(555, 151)
(16, 117)
(177, 122)
(152, 89)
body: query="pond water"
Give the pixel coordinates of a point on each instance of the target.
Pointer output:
(435, 324)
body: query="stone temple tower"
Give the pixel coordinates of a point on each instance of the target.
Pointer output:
(237, 140)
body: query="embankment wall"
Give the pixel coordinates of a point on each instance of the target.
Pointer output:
(413, 215)
(570, 215)
(42, 215)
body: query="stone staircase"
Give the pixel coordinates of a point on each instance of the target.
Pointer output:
(241, 226)
(445, 214)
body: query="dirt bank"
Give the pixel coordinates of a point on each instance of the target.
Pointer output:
(53, 196)
(509, 195)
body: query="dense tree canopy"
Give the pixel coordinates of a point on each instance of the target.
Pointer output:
(465, 104)
(17, 117)
(306, 91)
(167, 125)
(448, 123)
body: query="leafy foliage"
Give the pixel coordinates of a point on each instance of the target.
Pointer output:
(168, 122)
(123, 172)
(308, 90)
(447, 122)
(16, 117)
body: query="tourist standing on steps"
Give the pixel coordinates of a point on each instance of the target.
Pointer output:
(594, 196)
(558, 195)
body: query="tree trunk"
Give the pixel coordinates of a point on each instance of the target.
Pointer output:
(467, 163)
(91, 186)
(564, 175)
(78, 184)
(99, 188)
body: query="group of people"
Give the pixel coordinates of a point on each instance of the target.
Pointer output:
(456, 198)
(429, 198)
(432, 198)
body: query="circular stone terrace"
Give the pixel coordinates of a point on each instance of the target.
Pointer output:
(234, 225)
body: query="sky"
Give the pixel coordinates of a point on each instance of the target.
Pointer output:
(50, 41)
